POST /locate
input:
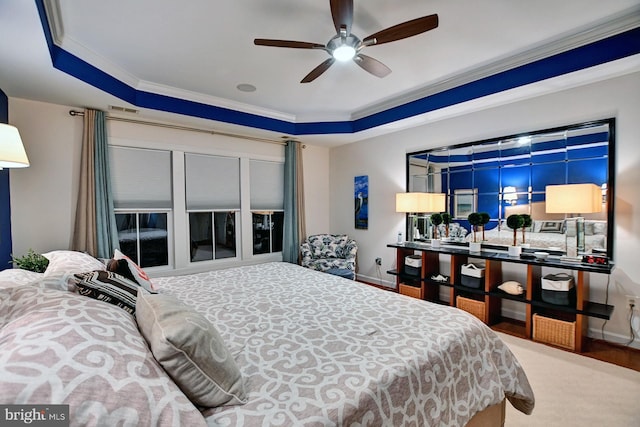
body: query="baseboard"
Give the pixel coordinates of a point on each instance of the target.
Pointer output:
(613, 338)
(376, 281)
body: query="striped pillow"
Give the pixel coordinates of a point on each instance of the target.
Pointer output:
(109, 287)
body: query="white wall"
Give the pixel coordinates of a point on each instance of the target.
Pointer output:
(43, 196)
(316, 188)
(383, 160)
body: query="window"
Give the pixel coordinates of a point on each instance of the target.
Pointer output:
(212, 235)
(144, 237)
(267, 205)
(212, 200)
(181, 209)
(464, 202)
(267, 232)
(141, 181)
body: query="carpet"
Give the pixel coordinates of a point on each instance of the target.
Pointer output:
(573, 390)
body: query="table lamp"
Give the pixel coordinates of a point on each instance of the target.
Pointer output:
(574, 199)
(414, 203)
(509, 195)
(12, 154)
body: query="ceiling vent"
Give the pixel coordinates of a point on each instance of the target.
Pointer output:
(123, 109)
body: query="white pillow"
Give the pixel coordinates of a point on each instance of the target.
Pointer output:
(71, 261)
(138, 273)
(63, 264)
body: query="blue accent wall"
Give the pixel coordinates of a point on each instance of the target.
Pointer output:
(5, 205)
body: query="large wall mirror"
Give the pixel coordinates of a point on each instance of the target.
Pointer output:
(508, 175)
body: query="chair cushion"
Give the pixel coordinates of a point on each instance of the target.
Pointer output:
(327, 245)
(342, 272)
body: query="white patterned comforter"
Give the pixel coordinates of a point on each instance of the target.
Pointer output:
(320, 350)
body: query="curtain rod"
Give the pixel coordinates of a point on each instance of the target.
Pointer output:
(186, 128)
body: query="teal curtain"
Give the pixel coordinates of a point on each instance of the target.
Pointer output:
(95, 224)
(293, 227)
(106, 229)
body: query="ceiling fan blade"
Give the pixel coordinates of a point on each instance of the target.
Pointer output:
(287, 43)
(372, 66)
(342, 13)
(316, 72)
(402, 31)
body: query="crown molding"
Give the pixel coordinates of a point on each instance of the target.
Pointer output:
(624, 21)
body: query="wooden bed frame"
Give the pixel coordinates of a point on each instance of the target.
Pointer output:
(493, 416)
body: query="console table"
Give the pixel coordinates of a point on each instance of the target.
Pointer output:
(560, 325)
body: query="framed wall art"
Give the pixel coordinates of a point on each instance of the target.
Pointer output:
(361, 202)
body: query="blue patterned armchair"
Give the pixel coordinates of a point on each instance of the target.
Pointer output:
(324, 252)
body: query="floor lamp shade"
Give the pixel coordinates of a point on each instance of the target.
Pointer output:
(12, 154)
(573, 198)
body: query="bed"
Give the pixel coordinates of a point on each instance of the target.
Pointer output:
(310, 349)
(548, 231)
(553, 239)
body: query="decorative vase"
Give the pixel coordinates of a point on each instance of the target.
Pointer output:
(475, 246)
(514, 251)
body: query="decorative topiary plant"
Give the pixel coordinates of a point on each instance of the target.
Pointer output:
(515, 222)
(527, 223)
(436, 220)
(446, 220)
(474, 219)
(31, 261)
(484, 220)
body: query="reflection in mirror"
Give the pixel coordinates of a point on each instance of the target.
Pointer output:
(508, 175)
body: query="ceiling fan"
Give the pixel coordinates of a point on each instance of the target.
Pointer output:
(345, 46)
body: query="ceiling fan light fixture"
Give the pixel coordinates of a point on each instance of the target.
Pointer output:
(344, 53)
(345, 46)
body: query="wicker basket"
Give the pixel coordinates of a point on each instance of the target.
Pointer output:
(555, 332)
(472, 306)
(412, 291)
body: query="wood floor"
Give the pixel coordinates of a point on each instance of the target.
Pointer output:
(614, 353)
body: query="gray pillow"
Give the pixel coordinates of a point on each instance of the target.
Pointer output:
(190, 349)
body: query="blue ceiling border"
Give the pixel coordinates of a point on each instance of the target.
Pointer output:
(600, 52)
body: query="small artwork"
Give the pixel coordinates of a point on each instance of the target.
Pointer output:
(361, 194)
(464, 202)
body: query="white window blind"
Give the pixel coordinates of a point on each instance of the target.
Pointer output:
(140, 178)
(267, 185)
(212, 182)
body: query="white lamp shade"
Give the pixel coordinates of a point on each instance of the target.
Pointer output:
(420, 202)
(509, 193)
(12, 154)
(573, 198)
